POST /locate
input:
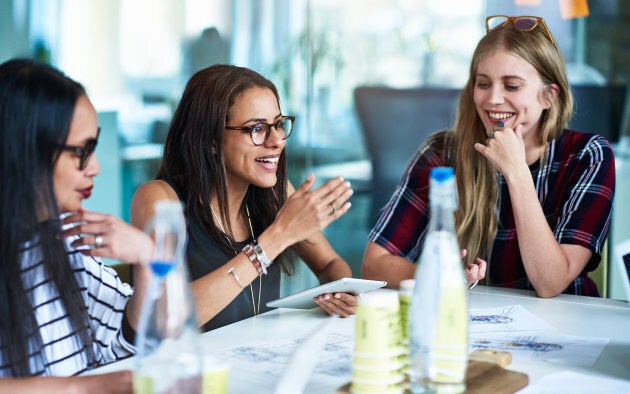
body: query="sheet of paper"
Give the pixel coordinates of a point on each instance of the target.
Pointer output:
(577, 383)
(505, 319)
(298, 371)
(265, 362)
(564, 349)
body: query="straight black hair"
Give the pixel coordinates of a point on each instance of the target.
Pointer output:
(37, 103)
(193, 152)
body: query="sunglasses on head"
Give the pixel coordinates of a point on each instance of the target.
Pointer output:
(522, 23)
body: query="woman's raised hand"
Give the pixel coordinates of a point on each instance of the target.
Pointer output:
(308, 211)
(105, 235)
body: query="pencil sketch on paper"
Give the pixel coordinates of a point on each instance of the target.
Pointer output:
(265, 358)
(518, 343)
(490, 319)
(565, 349)
(506, 319)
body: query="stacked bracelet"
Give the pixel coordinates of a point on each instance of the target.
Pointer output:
(262, 256)
(250, 252)
(258, 257)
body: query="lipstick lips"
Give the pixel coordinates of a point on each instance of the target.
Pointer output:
(87, 192)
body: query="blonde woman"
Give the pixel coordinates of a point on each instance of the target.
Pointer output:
(535, 199)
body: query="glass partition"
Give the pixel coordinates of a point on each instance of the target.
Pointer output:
(134, 58)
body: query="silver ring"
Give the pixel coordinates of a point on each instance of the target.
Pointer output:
(98, 241)
(333, 207)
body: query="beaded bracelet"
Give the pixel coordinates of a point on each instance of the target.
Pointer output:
(250, 252)
(236, 278)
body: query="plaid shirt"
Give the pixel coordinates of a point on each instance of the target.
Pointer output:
(575, 186)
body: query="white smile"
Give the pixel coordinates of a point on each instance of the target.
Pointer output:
(268, 160)
(500, 115)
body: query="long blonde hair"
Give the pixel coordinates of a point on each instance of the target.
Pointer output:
(476, 220)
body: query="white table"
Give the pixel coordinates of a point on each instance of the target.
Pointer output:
(571, 315)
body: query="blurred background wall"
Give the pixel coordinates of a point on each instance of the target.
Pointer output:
(135, 56)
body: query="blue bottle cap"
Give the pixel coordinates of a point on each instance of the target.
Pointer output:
(443, 190)
(442, 174)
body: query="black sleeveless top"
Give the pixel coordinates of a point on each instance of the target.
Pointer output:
(204, 255)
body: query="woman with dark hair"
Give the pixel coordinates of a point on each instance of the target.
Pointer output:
(64, 311)
(225, 160)
(525, 182)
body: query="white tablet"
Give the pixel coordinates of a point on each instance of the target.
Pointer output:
(304, 298)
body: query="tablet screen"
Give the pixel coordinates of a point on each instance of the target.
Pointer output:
(304, 299)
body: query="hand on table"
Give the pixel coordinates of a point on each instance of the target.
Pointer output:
(342, 304)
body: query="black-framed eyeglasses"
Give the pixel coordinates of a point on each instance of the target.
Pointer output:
(259, 132)
(83, 152)
(522, 23)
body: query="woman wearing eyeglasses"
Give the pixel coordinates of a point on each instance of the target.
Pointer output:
(63, 311)
(225, 160)
(535, 198)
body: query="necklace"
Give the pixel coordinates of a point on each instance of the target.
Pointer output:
(255, 306)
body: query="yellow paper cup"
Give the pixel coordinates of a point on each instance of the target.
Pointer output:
(385, 386)
(392, 372)
(404, 295)
(380, 359)
(215, 376)
(377, 322)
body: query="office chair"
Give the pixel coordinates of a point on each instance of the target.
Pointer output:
(598, 109)
(395, 122)
(622, 261)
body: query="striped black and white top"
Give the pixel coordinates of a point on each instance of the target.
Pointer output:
(105, 296)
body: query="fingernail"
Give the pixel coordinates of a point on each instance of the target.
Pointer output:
(337, 296)
(327, 297)
(66, 215)
(72, 225)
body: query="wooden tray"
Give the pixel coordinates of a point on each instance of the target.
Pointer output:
(485, 374)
